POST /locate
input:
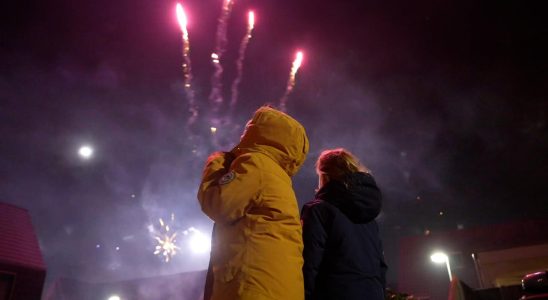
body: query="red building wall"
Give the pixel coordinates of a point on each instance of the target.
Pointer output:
(20, 253)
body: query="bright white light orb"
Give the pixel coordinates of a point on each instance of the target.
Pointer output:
(86, 152)
(439, 257)
(199, 243)
(114, 297)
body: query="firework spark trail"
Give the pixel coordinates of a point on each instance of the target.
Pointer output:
(291, 82)
(220, 47)
(187, 70)
(240, 61)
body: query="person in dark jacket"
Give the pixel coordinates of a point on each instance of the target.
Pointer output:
(343, 255)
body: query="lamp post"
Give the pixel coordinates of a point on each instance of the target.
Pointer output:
(440, 257)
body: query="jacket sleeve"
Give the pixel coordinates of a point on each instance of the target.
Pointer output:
(229, 188)
(314, 239)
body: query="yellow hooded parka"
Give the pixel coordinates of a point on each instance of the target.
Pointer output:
(257, 244)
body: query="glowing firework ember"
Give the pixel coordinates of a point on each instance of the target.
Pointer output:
(215, 58)
(291, 82)
(181, 17)
(240, 61)
(187, 74)
(296, 64)
(167, 243)
(251, 20)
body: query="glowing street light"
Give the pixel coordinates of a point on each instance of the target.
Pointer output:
(439, 258)
(114, 297)
(85, 152)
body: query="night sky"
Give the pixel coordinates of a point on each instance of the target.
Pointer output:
(445, 101)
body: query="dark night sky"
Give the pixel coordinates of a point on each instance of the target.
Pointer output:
(444, 100)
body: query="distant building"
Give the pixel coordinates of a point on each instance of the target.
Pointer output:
(503, 254)
(22, 268)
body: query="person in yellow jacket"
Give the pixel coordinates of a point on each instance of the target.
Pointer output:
(256, 250)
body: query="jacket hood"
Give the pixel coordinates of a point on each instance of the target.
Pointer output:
(277, 135)
(358, 197)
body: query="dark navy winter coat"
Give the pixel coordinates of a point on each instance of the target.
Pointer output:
(343, 255)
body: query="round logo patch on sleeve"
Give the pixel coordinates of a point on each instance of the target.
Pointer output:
(228, 177)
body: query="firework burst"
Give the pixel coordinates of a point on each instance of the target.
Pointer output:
(166, 239)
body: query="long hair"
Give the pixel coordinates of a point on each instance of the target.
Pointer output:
(338, 163)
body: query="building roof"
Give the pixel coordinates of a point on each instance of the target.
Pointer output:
(18, 242)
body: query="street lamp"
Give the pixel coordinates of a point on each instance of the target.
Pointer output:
(85, 152)
(440, 257)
